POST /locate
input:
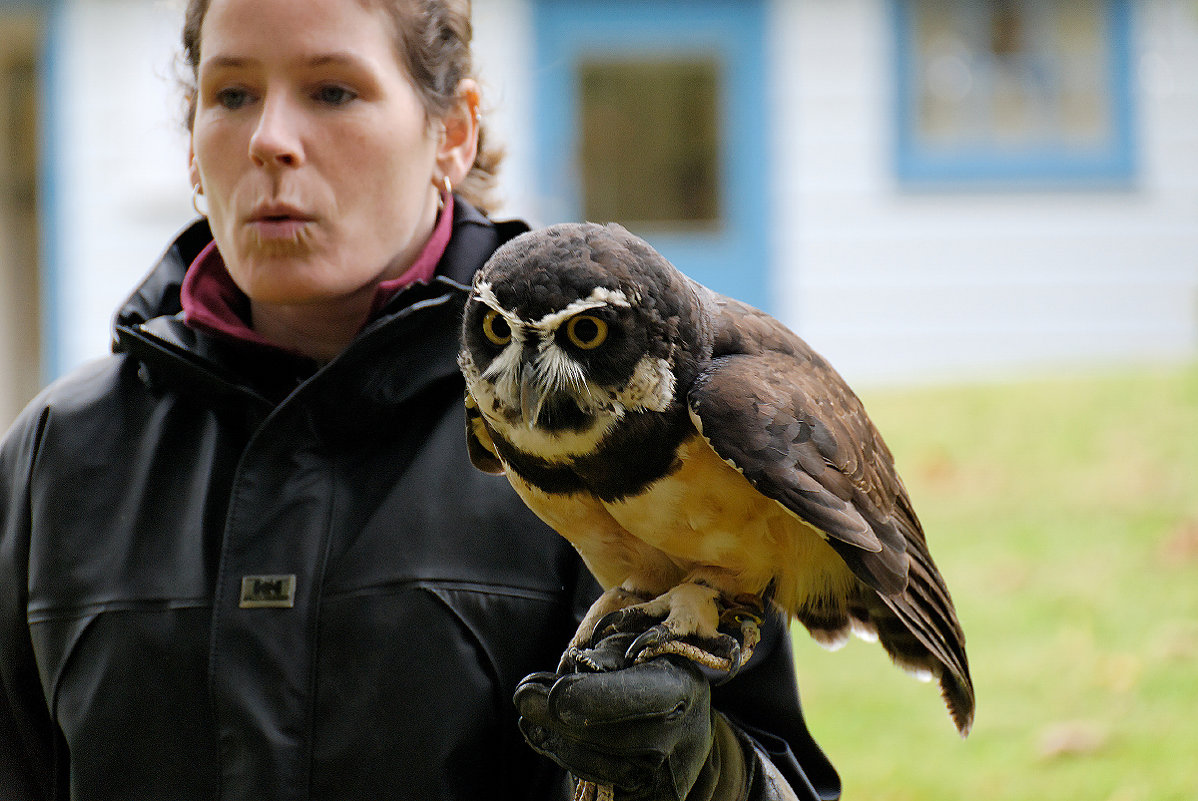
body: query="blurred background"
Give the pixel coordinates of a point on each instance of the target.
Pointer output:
(983, 212)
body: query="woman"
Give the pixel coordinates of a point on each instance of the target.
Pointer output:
(247, 556)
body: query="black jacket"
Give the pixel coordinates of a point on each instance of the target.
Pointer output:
(226, 574)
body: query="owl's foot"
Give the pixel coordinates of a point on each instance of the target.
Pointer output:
(610, 603)
(694, 621)
(725, 653)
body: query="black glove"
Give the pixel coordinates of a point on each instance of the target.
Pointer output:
(647, 729)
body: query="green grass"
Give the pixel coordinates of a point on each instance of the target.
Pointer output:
(1064, 516)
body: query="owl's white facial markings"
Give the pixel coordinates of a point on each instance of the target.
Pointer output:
(651, 386)
(599, 297)
(558, 377)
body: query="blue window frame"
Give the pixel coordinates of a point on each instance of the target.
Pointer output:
(599, 65)
(1019, 93)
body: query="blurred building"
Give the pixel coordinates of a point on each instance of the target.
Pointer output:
(924, 189)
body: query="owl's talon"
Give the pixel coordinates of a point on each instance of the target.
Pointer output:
(571, 658)
(622, 621)
(648, 640)
(722, 654)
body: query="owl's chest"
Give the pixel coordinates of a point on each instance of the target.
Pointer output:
(706, 512)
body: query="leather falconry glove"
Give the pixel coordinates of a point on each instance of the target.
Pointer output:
(647, 729)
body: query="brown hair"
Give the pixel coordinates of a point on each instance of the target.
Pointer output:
(433, 38)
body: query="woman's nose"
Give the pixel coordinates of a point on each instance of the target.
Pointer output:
(276, 139)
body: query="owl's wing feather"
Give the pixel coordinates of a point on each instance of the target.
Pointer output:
(780, 428)
(778, 412)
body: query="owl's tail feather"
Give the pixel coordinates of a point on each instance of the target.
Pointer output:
(919, 629)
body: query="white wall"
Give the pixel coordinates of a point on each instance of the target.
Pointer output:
(119, 176)
(504, 56)
(899, 285)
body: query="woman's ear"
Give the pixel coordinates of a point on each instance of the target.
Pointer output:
(193, 169)
(458, 144)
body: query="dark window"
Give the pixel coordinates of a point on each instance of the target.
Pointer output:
(650, 141)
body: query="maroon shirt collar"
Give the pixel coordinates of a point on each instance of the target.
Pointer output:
(213, 303)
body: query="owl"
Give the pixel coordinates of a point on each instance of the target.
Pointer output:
(701, 458)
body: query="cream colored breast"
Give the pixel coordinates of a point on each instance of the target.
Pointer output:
(612, 554)
(707, 514)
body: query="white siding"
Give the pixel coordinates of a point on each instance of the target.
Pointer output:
(119, 173)
(898, 285)
(503, 54)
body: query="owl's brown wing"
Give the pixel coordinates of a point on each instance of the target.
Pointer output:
(776, 410)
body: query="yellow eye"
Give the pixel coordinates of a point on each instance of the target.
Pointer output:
(586, 331)
(496, 328)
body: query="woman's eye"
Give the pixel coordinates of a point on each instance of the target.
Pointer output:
(334, 95)
(232, 98)
(586, 331)
(496, 329)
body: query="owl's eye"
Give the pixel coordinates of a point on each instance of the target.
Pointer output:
(586, 331)
(496, 328)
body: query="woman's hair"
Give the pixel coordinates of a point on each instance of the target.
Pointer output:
(433, 37)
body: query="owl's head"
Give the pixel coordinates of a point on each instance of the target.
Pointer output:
(570, 329)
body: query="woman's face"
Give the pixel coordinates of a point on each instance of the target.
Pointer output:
(314, 152)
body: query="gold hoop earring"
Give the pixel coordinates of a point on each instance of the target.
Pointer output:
(197, 192)
(446, 184)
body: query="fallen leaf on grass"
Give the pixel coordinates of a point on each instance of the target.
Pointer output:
(1072, 738)
(1175, 641)
(1181, 546)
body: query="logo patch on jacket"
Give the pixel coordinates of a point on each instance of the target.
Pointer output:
(264, 592)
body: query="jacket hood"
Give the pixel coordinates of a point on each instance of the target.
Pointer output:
(158, 293)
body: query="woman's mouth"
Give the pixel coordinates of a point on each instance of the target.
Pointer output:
(278, 222)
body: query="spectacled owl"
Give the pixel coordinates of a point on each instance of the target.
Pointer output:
(695, 452)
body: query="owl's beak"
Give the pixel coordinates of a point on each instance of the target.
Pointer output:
(532, 395)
